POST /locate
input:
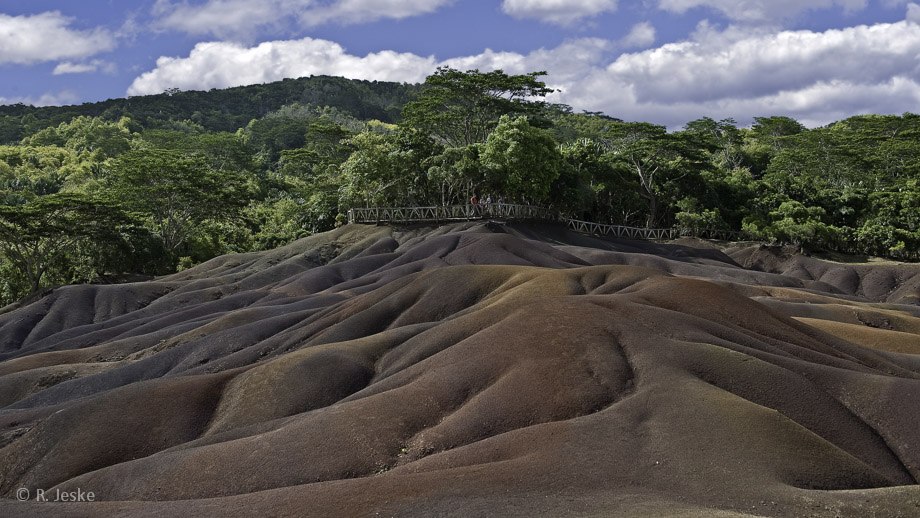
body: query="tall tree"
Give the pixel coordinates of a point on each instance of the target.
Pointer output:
(34, 237)
(373, 174)
(724, 137)
(461, 108)
(175, 192)
(524, 160)
(615, 197)
(655, 158)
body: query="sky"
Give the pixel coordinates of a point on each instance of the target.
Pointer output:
(662, 61)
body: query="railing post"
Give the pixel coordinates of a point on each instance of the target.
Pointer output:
(528, 212)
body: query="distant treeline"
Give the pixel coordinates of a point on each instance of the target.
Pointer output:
(219, 110)
(149, 185)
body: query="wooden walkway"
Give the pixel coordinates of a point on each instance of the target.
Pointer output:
(450, 213)
(600, 229)
(469, 212)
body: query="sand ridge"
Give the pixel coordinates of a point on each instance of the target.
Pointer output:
(471, 369)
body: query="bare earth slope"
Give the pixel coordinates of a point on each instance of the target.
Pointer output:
(470, 370)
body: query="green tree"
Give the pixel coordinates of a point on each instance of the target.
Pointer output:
(570, 127)
(614, 197)
(176, 193)
(373, 174)
(765, 139)
(459, 109)
(893, 223)
(658, 160)
(772, 130)
(456, 171)
(723, 137)
(792, 222)
(327, 138)
(36, 236)
(524, 160)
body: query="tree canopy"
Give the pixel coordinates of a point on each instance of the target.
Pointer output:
(151, 184)
(462, 108)
(176, 193)
(36, 236)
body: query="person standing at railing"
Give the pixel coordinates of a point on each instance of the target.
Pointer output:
(501, 206)
(474, 205)
(489, 203)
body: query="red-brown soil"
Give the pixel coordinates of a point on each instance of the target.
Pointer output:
(471, 370)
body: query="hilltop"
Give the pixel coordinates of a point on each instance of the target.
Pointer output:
(472, 369)
(226, 109)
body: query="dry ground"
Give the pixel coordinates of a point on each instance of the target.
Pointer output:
(471, 370)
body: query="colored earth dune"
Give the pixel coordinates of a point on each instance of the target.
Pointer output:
(470, 370)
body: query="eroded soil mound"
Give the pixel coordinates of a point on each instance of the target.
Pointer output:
(470, 370)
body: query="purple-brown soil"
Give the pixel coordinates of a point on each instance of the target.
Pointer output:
(470, 370)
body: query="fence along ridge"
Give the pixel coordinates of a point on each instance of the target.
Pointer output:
(469, 212)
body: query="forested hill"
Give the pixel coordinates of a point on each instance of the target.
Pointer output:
(220, 110)
(149, 185)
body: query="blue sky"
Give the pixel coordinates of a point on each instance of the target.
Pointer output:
(663, 61)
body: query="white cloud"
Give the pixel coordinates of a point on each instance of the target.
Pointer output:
(760, 10)
(82, 68)
(913, 13)
(241, 19)
(816, 77)
(360, 11)
(48, 99)
(223, 64)
(48, 37)
(641, 36)
(734, 62)
(566, 63)
(225, 18)
(560, 12)
(815, 105)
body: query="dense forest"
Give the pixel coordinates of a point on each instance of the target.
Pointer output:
(148, 185)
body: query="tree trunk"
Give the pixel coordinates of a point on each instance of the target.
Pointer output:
(652, 211)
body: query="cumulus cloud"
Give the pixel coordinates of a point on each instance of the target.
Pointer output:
(48, 37)
(816, 77)
(48, 99)
(731, 63)
(224, 18)
(225, 64)
(641, 35)
(815, 105)
(82, 68)
(241, 19)
(566, 63)
(360, 11)
(913, 13)
(560, 12)
(760, 10)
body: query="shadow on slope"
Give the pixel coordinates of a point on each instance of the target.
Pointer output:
(462, 370)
